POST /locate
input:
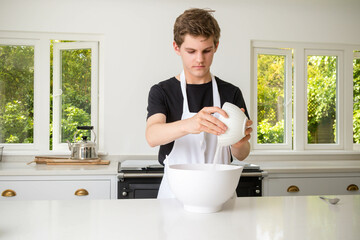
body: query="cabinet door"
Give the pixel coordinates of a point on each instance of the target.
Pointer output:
(313, 186)
(55, 190)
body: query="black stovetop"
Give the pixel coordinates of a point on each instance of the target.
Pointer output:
(152, 166)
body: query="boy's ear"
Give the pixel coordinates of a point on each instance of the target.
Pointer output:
(216, 46)
(176, 48)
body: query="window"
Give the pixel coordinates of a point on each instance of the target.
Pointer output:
(273, 99)
(322, 80)
(356, 99)
(74, 89)
(47, 88)
(19, 118)
(17, 92)
(307, 113)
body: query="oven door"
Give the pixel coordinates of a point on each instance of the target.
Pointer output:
(129, 188)
(147, 185)
(249, 186)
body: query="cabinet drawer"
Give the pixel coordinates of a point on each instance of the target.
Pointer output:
(55, 190)
(313, 186)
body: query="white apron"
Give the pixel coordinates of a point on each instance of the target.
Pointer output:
(193, 148)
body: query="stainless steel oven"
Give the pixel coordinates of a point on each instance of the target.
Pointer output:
(142, 178)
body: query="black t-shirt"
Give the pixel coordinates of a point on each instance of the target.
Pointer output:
(166, 97)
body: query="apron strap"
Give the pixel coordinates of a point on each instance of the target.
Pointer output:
(183, 91)
(216, 95)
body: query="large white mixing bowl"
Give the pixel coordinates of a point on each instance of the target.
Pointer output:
(203, 188)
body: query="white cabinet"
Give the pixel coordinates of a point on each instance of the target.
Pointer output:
(21, 181)
(312, 184)
(57, 187)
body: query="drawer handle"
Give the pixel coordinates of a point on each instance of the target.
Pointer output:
(8, 193)
(81, 192)
(293, 188)
(352, 188)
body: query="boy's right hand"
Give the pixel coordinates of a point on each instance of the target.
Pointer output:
(204, 121)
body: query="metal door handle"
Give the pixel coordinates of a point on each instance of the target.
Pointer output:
(293, 188)
(352, 188)
(8, 193)
(81, 192)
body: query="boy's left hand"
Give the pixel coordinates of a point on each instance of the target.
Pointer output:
(248, 131)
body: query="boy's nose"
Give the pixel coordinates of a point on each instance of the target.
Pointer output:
(200, 57)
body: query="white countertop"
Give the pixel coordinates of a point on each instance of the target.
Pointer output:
(247, 218)
(272, 167)
(343, 166)
(33, 169)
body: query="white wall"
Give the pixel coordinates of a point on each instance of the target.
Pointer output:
(138, 44)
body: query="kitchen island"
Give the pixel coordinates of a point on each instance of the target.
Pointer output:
(300, 217)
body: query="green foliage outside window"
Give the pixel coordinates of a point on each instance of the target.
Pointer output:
(76, 88)
(270, 90)
(321, 98)
(268, 133)
(321, 95)
(356, 87)
(17, 93)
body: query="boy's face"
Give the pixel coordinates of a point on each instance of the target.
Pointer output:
(197, 54)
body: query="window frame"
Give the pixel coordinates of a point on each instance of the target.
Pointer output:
(339, 99)
(40, 107)
(42, 90)
(287, 99)
(57, 92)
(345, 104)
(356, 55)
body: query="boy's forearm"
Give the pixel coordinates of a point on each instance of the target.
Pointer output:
(242, 151)
(163, 133)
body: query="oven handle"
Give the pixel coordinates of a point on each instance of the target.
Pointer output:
(139, 175)
(154, 175)
(254, 174)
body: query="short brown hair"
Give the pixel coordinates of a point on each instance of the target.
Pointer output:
(196, 22)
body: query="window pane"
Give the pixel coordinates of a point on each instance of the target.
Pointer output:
(76, 91)
(16, 94)
(321, 99)
(356, 114)
(270, 98)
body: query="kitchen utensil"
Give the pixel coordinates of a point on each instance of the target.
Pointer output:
(203, 188)
(330, 200)
(236, 124)
(83, 149)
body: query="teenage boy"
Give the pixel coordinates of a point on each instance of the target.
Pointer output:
(180, 110)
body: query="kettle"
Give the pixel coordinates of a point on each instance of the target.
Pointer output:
(84, 149)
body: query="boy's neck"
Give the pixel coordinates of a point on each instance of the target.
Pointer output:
(190, 79)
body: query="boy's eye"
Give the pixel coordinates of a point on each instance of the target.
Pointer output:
(193, 51)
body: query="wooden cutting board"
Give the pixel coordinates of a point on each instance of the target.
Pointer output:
(84, 162)
(49, 160)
